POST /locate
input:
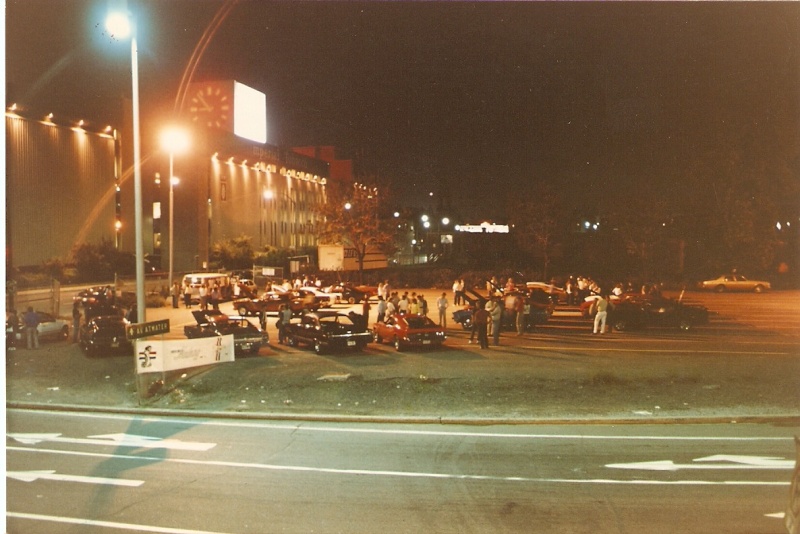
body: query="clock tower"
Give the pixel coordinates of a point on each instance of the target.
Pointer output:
(231, 106)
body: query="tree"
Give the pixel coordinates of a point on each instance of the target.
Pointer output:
(351, 219)
(234, 253)
(535, 221)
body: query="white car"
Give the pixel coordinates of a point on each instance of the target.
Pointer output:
(50, 328)
(734, 282)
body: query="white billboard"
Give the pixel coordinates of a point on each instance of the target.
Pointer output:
(249, 113)
(157, 356)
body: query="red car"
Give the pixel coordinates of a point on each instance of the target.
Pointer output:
(406, 330)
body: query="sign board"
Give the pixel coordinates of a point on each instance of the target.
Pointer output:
(157, 356)
(140, 330)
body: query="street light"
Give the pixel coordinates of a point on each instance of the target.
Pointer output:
(176, 141)
(120, 26)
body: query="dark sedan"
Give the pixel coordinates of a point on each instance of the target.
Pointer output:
(406, 330)
(247, 339)
(634, 311)
(329, 330)
(105, 335)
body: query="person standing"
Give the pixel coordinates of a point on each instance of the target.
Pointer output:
(31, 322)
(381, 309)
(601, 304)
(203, 291)
(441, 305)
(176, 294)
(519, 309)
(402, 304)
(76, 321)
(423, 305)
(216, 296)
(365, 307)
(496, 316)
(262, 320)
(456, 295)
(480, 322)
(187, 295)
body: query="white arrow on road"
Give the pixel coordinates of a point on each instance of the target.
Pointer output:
(732, 462)
(117, 440)
(32, 476)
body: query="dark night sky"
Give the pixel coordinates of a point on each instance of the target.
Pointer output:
(469, 100)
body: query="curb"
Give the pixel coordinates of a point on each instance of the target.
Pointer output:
(786, 419)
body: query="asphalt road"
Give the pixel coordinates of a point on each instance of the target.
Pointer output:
(158, 474)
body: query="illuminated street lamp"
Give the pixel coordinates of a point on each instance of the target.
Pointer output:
(120, 26)
(175, 141)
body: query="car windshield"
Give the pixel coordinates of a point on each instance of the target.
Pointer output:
(419, 322)
(106, 322)
(340, 319)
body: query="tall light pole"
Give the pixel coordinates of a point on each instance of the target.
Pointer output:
(174, 140)
(120, 26)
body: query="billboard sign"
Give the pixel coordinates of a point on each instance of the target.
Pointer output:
(157, 356)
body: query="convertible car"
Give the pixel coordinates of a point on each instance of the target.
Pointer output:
(406, 330)
(328, 330)
(246, 337)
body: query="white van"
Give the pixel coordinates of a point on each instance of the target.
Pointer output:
(195, 280)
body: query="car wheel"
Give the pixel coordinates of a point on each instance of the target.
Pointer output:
(759, 288)
(376, 337)
(720, 289)
(466, 325)
(352, 300)
(291, 341)
(318, 347)
(685, 325)
(242, 311)
(397, 345)
(621, 325)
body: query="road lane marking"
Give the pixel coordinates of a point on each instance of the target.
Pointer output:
(32, 476)
(117, 440)
(107, 524)
(403, 474)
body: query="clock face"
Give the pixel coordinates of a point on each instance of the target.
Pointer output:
(211, 107)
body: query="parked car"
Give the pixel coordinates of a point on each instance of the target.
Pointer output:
(325, 299)
(632, 311)
(328, 330)
(335, 296)
(247, 338)
(557, 294)
(103, 335)
(50, 328)
(735, 282)
(271, 301)
(406, 330)
(94, 295)
(352, 294)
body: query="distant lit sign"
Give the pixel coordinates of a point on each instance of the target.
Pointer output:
(483, 228)
(249, 113)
